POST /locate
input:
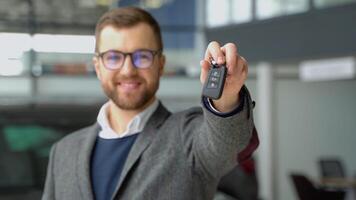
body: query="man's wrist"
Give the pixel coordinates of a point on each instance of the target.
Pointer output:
(209, 105)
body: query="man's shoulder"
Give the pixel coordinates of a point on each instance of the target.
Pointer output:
(163, 113)
(185, 115)
(196, 110)
(78, 135)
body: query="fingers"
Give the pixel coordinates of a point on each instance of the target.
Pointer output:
(231, 56)
(214, 51)
(227, 54)
(242, 68)
(205, 66)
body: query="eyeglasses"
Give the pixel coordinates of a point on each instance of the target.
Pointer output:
(141, 59)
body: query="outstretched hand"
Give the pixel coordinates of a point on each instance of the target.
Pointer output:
(237, 70)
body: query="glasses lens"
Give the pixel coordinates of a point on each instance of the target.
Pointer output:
(113, 60)
(142, 58)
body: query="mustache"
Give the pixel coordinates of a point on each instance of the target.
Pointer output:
(128, 78)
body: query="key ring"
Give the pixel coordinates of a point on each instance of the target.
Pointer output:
(213, 62)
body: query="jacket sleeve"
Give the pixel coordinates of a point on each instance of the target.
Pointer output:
(247, 152)
(216, 140)
(48, 192)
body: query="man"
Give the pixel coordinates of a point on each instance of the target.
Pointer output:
(137, 149)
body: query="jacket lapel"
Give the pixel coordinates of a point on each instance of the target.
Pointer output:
(143, 141)
(83, 165)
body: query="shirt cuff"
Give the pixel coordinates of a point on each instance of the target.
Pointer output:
(209, 106)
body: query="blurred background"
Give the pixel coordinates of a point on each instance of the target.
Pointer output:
(302, 75)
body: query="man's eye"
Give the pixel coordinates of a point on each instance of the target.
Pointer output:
(143, 56)
(113, 58)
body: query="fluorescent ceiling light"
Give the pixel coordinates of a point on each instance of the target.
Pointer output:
(14, 44)
(17, 43)
(12, 47)
(63, 43)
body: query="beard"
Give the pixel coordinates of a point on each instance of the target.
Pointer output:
(131, 101)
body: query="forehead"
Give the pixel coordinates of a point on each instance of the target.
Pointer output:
(127, 39)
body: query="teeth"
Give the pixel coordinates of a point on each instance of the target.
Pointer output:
(129, 85)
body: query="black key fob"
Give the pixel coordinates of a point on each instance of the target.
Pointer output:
(214, 85)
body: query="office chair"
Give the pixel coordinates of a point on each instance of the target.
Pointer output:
(306, 190)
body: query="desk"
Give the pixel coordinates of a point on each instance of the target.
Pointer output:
(338, 183)
(348, 185)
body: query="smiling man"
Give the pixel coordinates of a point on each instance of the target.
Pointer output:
(137, 149)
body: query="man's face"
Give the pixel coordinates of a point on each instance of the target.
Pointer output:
(128, 87)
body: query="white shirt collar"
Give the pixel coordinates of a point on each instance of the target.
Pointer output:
(136, 125)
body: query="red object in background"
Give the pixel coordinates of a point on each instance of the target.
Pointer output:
(248, 166)
(251, 147)
(70, 69)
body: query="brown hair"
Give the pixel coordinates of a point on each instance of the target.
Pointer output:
(126, 17)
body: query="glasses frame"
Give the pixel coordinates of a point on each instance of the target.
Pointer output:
(153, 52)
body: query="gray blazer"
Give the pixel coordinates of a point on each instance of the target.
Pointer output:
(177, 156)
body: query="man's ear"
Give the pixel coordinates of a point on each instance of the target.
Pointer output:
(162, 63)
(97, 67)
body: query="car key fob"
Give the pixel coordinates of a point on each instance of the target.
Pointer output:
(214, 84)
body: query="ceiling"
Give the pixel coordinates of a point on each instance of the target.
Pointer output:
(51, 16)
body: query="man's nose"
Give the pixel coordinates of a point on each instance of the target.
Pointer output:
(128, 68)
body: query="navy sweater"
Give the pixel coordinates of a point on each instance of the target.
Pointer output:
(107, 162)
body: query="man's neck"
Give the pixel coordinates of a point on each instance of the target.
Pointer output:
(119, 118)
